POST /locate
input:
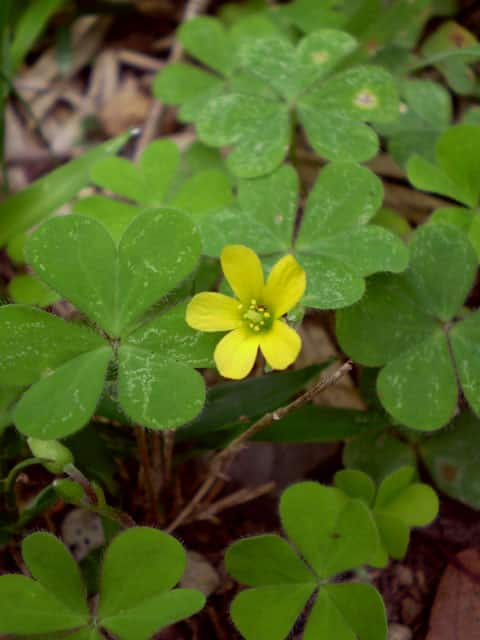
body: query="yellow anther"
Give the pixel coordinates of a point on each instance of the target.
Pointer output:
(266, 314)
(256, 328)
(251, 325)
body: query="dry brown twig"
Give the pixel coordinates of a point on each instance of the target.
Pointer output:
(157, 112)
(222, 459)
(233, 500)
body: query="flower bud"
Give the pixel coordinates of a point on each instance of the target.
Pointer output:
(56, 455)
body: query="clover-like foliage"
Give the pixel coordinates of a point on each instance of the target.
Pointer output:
(425, 112)
(278, 83)
(412, 326)
(137, 597)
(397, 505)
(456, 175)
(157, 180)
(451, 36)
(208, 41)
(336, 245)
(113, 286)
(329, 533)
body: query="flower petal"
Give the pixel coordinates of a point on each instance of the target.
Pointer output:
(211, 311)
(244, 272)
(236, 353)
(285, 286)
(281, 345)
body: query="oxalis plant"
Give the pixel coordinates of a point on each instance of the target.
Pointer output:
(209, 259)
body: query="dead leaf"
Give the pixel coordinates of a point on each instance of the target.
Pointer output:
(127, 108)
(456, 609)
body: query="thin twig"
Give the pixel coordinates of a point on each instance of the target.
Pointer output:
(222, 459)
(158, 109)
(234, 499)
(153, 505)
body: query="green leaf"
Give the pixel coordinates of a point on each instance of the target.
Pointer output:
(115, 216)
(26, 607)
(269, 612)
(451, 456)
(163, 247)
(335, 246)
(266, 560)
(393, 221)
(310, 15)
(44, 196)
(227, 403)
(156, 392)
(52, 566)
(395, 537)
(377, 454)
(169, 336)
(259, 130)
(357, 95)
(332, 533)
(418, 384)
(393, 485)
(163, 610)
(451, 48)
(419, 387)
(291, 71)
(456, 173)
(65, 400)
(30, 25)
(425, 112)
(312, 423)
(347, 612)
(186, 85)
(146, 182)
(27, 289)
(464, 341)
(467, 220)
(204, 192)
(207, 40)
(256, 118)
(147, 563)
(355, 484)
(416, 505)
(76, 257)
(33, 343)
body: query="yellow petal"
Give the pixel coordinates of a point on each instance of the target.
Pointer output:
(210, 311)
(235, 354)
(285, 286)
(281, 345)
(244, 272)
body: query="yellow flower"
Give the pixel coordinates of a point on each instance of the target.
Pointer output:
(253, 317)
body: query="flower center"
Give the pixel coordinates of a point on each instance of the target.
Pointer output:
(256, 317)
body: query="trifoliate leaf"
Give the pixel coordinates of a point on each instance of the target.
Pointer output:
(332, 107)
(418, 385)
(157, 251)
(148, 563)
(319, 522)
